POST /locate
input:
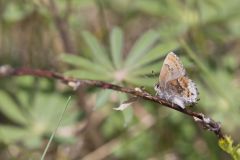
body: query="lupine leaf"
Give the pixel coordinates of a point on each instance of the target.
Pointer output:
(141, 47)
(157, 52)
(83, 74)
(11, 110)
(102, 98)
(99, 53)
(82, 62)
(116, 41)
(9, 134)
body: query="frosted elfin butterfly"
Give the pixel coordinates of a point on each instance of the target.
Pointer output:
(174, 85)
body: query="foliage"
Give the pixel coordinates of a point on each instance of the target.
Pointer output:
(113, 67)
(227, 145)
(32, 116)
(205, 34)
(54, 133)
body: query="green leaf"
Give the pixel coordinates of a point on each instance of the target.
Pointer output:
(82, 62)
(149, 7)
(171, 30)
(147, 70)
(113, 124)
(55, 130)
(11, 110)
(46, 109)
(226, 144)
(116, 40)
(32, 141)
(127, 112)
(98, 51)
(141, 47)
(24, 81)
(71, 117)
(13, 12)
(139, 81)
(83, 74)
(10, 134)
(128, 116)
(157, 52)
(102, 98)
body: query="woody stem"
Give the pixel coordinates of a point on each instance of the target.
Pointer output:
(200, 118)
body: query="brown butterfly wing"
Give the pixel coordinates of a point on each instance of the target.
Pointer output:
(174, 84)
(172, 69)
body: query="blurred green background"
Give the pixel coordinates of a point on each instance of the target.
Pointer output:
(122, 42)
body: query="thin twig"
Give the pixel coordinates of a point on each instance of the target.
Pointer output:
(200, 118)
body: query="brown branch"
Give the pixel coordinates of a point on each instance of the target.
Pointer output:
(200, 118)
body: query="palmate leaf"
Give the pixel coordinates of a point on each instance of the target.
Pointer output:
(45, 114)
(140, 61)
(151, 69)
(84, 74)
(127, 112)
(37, 117)
(219, 11)
(11, 109)
(128, 116)
(10, 134)
(139, 64)
(32, 140)
(116, 44)
(142, 81)
(83, 63)
(157, 52)
(99, 53)
(149, 7)
(102, 98)
(55, 130)
(46, 109)
(171, 30)
(141, 47)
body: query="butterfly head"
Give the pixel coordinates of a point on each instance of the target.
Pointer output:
(156, 87)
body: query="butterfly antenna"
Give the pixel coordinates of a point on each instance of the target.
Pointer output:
(155, 74)
(152, 75)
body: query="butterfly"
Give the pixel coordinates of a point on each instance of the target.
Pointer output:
(174, 85)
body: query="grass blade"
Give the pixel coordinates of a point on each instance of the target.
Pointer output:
(54, 132)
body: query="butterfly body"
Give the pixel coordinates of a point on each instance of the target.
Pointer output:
(174, 85)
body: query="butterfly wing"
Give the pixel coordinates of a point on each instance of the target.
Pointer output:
(172, 69)
(184, 88)
(183, 91)
(174, 85)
